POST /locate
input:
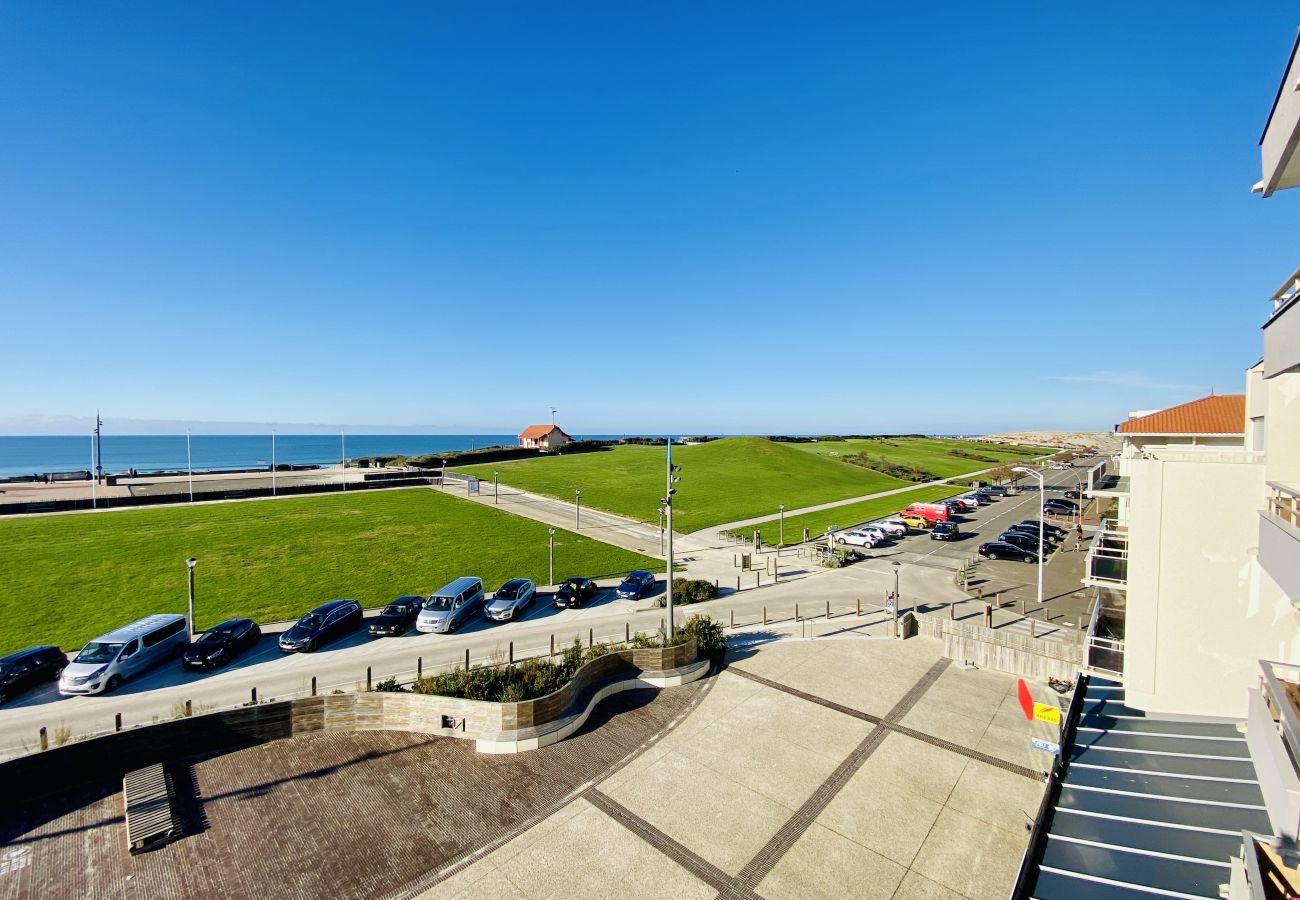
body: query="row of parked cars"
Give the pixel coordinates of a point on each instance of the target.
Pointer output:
(104, 663)
(1021, 541)
(938, 518)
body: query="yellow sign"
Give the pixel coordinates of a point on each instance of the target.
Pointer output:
(1046, 713)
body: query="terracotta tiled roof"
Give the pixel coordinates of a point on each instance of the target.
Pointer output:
(1223, 414)
(537, 431)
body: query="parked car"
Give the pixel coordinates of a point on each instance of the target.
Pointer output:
(511, 600)
(858, 537)
(450, 605)
(996, 490)
(1055, 531)
(920, 523)
(984, 495)
(1060, 508)
(1024, 541)
(221, 643)
(1031, 531)
(961, 505)
(971, 500)
(24, 668)
(945, 531)
(1003, 550)
(111, 658)
(322, 625)
(891, 527)
(931, 512)
(636, 585)
(397, 616)
(1073, 495)
(575, 592)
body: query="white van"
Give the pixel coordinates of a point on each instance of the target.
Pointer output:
(110, 659)
(451, 605)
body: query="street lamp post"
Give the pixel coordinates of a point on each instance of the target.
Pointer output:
(190, 564)
(781, 536)
(496, 486)
(1042, 557)
(577, 510)
(551, 568)
(670, 479)
(898, 601)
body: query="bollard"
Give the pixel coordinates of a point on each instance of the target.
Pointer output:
(591, 637)
(189, 708)
(368, 681)
(764, 615)
(627, 632)
(511, 656)
(552, 646)
(733, 618)
(419, 668)
(117, 722)
(988, 615)
(952, 612)
(45, 739)
(466, 659)
(1033, 627)
(828, 610)
(858, 606)
(253, 696)
(758, 580)
(796, 612)
(737, 584)
(313, 685)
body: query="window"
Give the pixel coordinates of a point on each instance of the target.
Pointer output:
(130, 649)
(161, 634)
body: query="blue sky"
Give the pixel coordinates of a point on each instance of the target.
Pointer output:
(750, 217)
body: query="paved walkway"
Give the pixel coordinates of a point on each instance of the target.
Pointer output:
(810, 769)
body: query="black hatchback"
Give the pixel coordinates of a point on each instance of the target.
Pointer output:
(21, 670)
(221, 643)
(575, 592)
(397, 616)
(324, 623)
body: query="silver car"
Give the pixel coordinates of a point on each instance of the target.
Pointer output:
(511, 600)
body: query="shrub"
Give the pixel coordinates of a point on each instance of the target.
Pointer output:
(841, 558)
(693, 590)
(710, 639)
(389, 686)
(512, 693)
(642, 641)
(596, 651)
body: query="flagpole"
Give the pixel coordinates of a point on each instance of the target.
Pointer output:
(94, 503)
(189, 463)
(272, 463)
(343, 459)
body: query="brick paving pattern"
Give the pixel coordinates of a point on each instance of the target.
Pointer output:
(330, 815)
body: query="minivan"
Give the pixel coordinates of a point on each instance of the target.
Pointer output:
(110, 659)
(449, 606)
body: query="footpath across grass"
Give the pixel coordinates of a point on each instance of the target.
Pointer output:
(722, 481)
(70, 578)
(845, 516)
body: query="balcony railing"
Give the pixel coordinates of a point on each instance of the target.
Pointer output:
(1106, 564)
(1284, 503)
(1273, 737)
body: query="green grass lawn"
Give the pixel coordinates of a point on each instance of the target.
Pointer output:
(71, 578)
(844, 516)
(722, 481)
(932, 454)
(736, 478)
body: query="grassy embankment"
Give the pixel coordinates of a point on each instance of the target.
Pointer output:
(70, 578)
(736, 478)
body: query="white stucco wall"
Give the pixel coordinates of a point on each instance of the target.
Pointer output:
(1200, 613)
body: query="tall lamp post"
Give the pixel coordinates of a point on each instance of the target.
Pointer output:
(577, 510)
(898, 601)
(551, 567)
(496, 486)
(670, 479)
(1042, 557)
(190, 564)
(781, 536)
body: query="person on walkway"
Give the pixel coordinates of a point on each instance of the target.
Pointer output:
(1078, 535)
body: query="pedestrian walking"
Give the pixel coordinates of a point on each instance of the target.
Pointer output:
(1078, 535)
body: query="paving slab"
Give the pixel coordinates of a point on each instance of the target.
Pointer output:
(825, 864)
(971, 857)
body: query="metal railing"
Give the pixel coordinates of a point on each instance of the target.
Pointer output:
(1107, 561)
(1284, 503)
(1272, 680)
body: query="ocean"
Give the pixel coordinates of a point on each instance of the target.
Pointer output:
(29, 455)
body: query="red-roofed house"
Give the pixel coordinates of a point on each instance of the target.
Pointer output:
(543, 437)
(1215, 417)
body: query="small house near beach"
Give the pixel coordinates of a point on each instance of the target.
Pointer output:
(543, 437)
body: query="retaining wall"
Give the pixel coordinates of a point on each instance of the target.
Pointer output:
(989, 648)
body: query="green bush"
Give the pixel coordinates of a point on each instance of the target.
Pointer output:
(693, 590)
(512, 693)
(596, 651)
(390, 686)
(710, 639)
(843, 558)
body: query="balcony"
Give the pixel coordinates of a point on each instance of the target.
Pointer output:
(1279, 538)
(1266, 870)
(1106, 564)
(1279, 161)
(1282, 330)
(1273, 737)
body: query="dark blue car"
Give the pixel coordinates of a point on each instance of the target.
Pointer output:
(636, 585)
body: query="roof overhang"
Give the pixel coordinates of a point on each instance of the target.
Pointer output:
(1279, 160)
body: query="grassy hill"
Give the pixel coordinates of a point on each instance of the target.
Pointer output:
(722, 481)
(945, 457)
(70, 578)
